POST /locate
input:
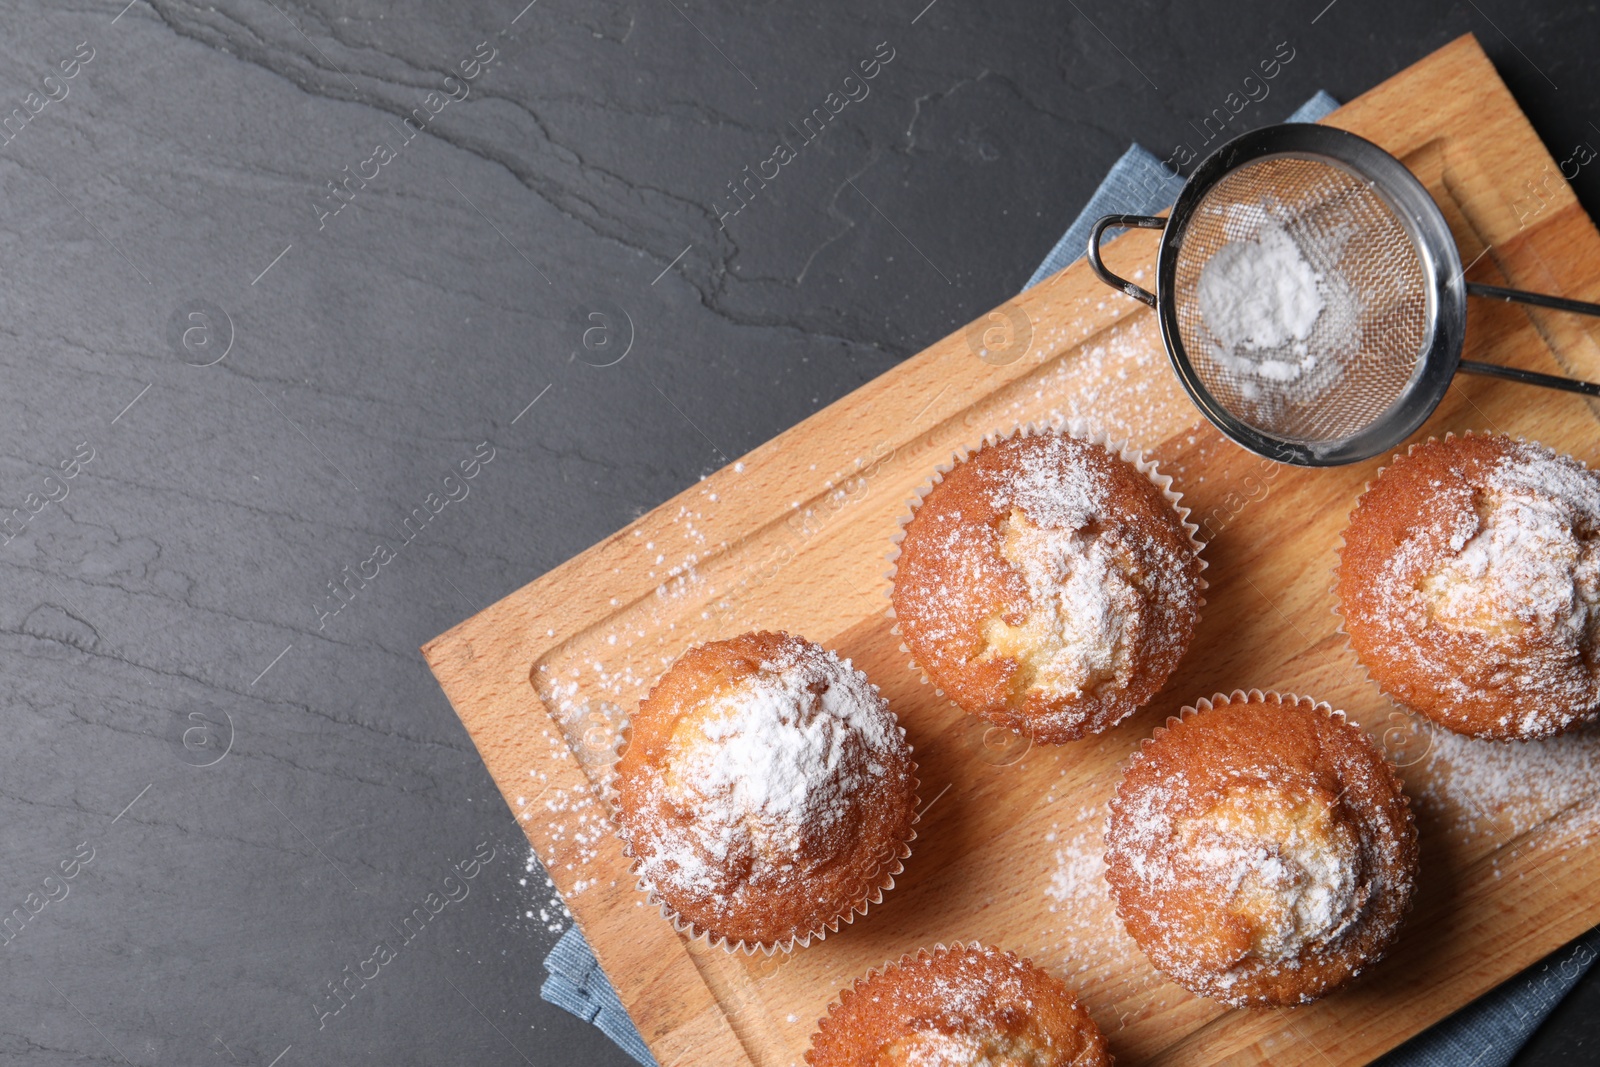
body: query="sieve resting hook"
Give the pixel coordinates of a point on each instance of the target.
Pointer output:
(1105, 222)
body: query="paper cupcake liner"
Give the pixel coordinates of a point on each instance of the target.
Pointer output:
(891, 866)
(1249, 696)
(854, 989)
(1081, 430)
(1273, 696)
(1337, 608)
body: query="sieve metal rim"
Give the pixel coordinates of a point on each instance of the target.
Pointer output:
(1413, 207)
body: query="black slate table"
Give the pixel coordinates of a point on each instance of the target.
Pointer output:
(278, 274)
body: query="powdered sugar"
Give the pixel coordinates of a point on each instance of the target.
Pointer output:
(1078, 878)
(1295, 877)
(1528, 557)
(545, 905)
(1494, 793)
(764, 788)
(1090, 940)
(1260, 300)
(1273, 320)
(1087, 607)
(1492, 595)
(784, 759)
(1087, 613)
(1053, 487)
(964, 1048)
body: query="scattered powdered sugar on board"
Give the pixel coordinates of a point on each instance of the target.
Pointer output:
(571, 825)
(1120, 380)
(576, 822)
(1089, 936)
(1501, 790)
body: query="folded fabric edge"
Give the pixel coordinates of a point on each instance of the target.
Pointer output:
(577, 984)
(1140, 184)
(1490, 1031)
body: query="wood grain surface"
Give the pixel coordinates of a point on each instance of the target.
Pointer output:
(795, 536)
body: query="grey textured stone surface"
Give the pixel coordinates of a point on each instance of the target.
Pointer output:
(269, 787)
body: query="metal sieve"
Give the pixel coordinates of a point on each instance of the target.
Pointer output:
(1360, 232)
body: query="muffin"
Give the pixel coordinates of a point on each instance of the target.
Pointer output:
(1260, 850)
(767, 793)
(966, 1006)
(1047, 585)
(1469, 585)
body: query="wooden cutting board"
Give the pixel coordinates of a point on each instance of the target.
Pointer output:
(794, 536)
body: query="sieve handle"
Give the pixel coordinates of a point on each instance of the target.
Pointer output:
(1531, 377)
(1559, 303)
(1528, 377)
(1101, 225)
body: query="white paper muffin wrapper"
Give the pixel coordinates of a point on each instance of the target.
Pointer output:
(892, 865)
(1268, 696)
(1337, 607)
(1082, 431)
(854, 989)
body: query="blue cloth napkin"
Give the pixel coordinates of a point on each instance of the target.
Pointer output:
(577, 984)
(1491, 1030)
(1138, 184)
(1486, 1033)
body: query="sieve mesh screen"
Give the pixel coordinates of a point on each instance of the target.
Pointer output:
(1375, 322)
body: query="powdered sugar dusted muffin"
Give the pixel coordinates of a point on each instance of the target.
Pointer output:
(1470, 586)
(767, 794)
(1260, 850)
(1047, 585)
(966, 1006)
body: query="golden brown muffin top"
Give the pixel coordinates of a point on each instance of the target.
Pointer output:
(1047, 585)
(964, 1006)
(1470, 586)
(767, 789)
(1261, 850)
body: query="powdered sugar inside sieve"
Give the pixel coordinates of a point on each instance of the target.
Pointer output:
(1301, 299)
(1312, 297)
